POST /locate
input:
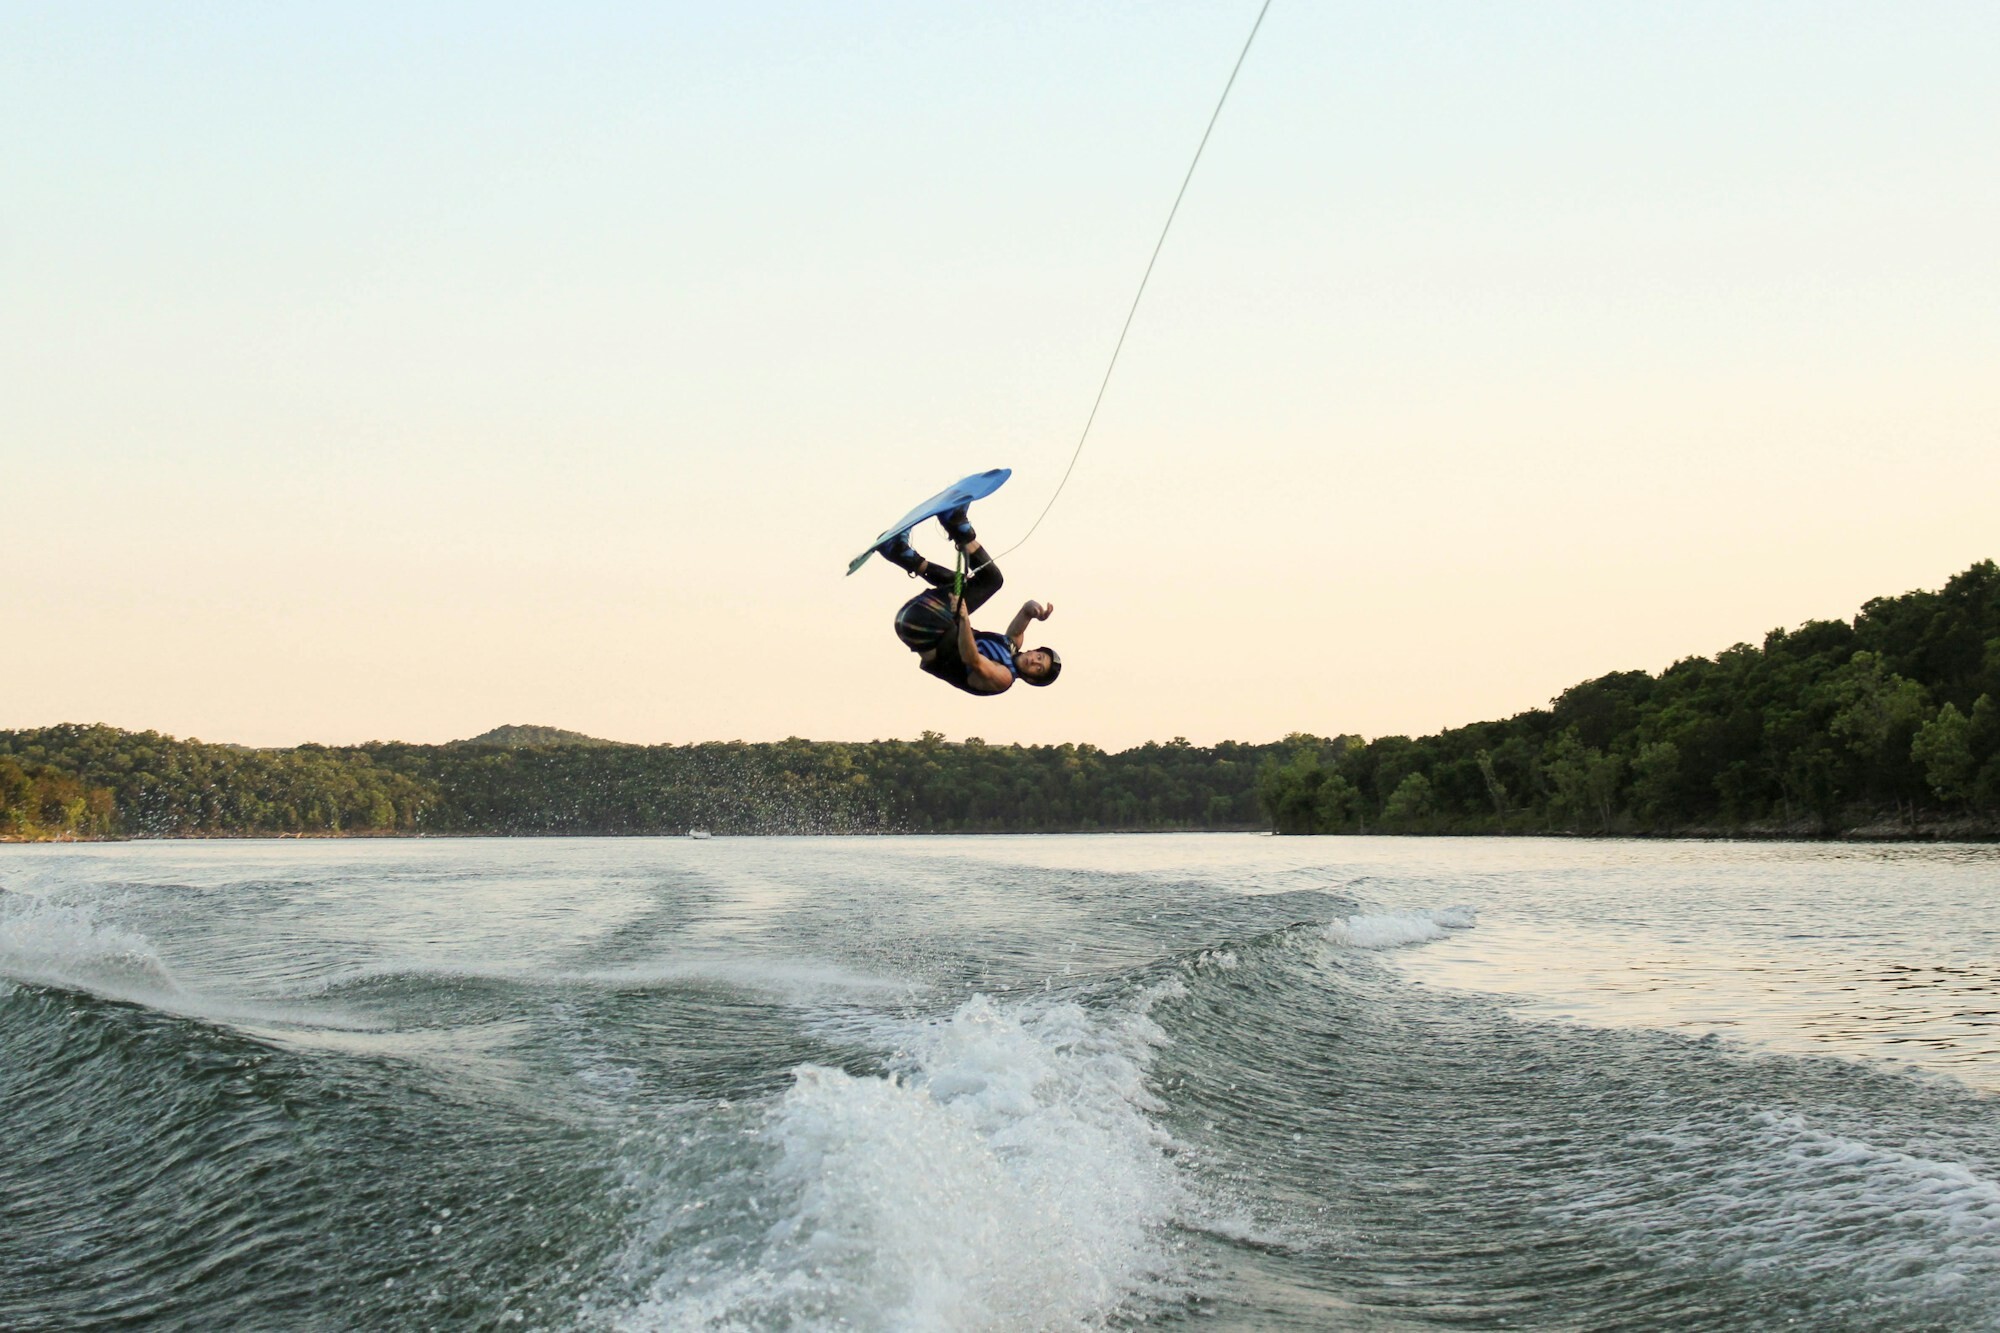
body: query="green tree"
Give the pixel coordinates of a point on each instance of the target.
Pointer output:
(1585, 781)
(1289, 790)
(1409, 804)
(1337, 807)
(1876, 716)
(1656, 782)
(1943, 746)
(1496, 790)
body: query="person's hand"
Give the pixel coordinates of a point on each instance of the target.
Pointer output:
(1043, 610)
(958, 610)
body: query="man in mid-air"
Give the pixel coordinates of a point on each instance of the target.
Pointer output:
(941, 634)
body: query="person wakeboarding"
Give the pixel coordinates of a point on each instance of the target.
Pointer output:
(937, 626)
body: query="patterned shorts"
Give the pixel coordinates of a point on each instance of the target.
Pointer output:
(925, 621)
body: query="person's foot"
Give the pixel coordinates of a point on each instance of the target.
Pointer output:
(958, 523)
(898, 552)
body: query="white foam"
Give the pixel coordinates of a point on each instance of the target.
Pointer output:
(1780, 1197)
(1395, 929)
(75, 946)
(66, 944)
(785, 978)
(1461, 917)
(1007, 1175)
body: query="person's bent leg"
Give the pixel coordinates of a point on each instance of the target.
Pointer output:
(904, 557)
(982, 577)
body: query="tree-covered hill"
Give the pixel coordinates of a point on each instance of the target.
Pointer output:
(73, 781)
(519, 734)
(1888, 724)
(1890, 721)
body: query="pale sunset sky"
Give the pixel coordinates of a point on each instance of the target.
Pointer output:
(394, 371)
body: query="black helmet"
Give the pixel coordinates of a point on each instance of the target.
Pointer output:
(1055, 668)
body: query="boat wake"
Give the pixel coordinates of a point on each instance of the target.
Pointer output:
(1004, 1172)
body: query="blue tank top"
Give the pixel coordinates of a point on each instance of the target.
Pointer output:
(995, 648)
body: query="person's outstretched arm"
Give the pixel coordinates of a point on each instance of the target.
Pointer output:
(1030, 611)
(987, 675)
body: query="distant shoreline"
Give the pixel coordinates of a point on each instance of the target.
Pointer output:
(1959, 833)
(1881, 729)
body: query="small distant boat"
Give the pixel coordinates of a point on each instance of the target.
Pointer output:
(698, 833)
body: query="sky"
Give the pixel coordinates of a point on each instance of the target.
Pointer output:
(394, 372)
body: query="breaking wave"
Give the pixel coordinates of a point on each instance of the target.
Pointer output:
(1006, 1172)
(1395, 929)
(76, 945)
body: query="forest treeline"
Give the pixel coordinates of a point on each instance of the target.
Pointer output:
(1888, 723)
(96, 781)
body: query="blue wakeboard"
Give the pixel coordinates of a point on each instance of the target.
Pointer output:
(975, 487)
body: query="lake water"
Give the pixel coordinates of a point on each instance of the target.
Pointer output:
(1223, 1081)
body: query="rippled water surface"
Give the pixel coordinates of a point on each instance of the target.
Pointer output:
(1007, 1083)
